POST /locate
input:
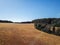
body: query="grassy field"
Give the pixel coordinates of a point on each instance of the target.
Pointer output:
(25, 34)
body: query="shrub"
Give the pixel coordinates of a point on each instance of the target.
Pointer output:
(57, 24)
(37, 26)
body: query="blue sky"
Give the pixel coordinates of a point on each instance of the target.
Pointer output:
(26, 10)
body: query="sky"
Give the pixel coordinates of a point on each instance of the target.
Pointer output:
(27, 10)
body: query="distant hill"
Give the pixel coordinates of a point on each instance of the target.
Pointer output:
(5, 21)
(27, 22)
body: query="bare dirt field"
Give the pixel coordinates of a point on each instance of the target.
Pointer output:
(25, 34)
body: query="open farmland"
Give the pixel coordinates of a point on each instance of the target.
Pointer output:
(25, 34)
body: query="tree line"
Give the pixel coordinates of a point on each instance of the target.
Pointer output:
(49, 25)
(5, 21)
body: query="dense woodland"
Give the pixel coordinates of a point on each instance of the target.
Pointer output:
(52, 21)
(49, 25)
